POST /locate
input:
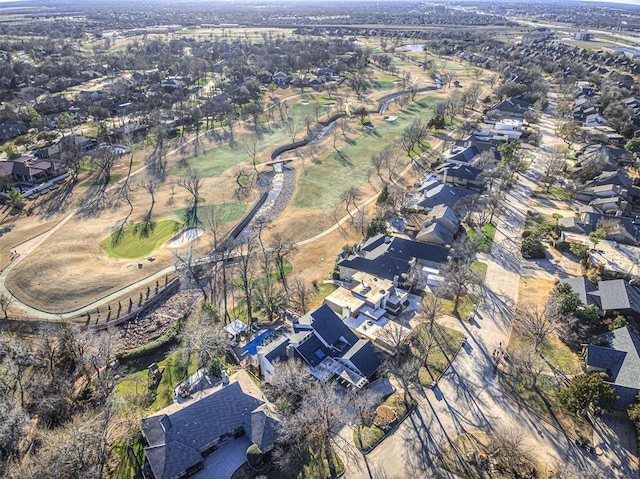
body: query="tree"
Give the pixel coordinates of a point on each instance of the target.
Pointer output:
(458, 276)
(377, 226)
(300, 294)
(150, 186)
(270, 298)
(508, 449)
(508, 151)
(633, 146)
(413, 137)
(192, 183)
(289, 384)
(634, 412)
(569, 299)
(570, 132)
(245, 252)
(430, 308)
(16, 199)
(406, 372)
(587, 392)
(252, 147)
(204, 337)
(552, 167)
(540, 323)
(314, 426)
(530, 362)
(13, 427)
(282, 248)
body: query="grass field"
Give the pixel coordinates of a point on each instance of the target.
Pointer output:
(135, 243)
(135, 386)
(229, 212)
(322, 184)
(447, 343)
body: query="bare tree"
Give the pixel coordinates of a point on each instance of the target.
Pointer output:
(5, 303)
(508, 448)
(150, 185)
(539, 323)
(282, 249)
(315, 424)
(552, 166)
(244, 179)
(300, 294)
(458, 277)
(292, 128)
(350, 196)
(204, 337)
(407, 373)
(246, 251)
(192, 183)
(429, 310)
(530, 362)
(270, 297)
(289, 384)
(252, 147)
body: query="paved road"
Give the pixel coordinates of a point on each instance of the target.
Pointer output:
(468, 397)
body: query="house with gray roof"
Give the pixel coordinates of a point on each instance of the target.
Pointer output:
(391, 257)
(326, 345)
(617, 353)
(435, 193)
(611, 297)
(181, 435)
(465, 176)
(511, 108)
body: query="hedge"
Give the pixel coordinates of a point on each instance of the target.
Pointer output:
(154, 345)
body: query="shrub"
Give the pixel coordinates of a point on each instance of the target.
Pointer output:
(254, 455)
(532, 247)
(618, 322)
(385, 415)
(215, 367)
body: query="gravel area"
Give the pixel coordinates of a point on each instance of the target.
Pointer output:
(155, 321)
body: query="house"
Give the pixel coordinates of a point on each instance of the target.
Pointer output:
(31, 170)
(595, 119)
(606, 197)
(434, 192)
(440, 227)
(464, 176)
(460, 154)
(511, 108)
(619, 229)
(281, 79)
(366, 293)
(392, 258)
(181, 435)
(12, 129)
(611, 297)
(326, 345)
(617, 353)
(78, 144)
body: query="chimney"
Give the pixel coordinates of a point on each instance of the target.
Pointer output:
(290, 350)
(225, 378)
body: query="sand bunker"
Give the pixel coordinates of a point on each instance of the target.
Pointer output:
(185, 237)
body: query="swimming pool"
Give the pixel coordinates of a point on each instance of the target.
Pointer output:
(252, 346)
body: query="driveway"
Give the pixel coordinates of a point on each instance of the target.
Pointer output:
(226, 460)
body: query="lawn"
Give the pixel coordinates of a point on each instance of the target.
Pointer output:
(383, 85)
(131, 458)
(372, 434)
(543, 400)
(134, 388)
(465, 305)
(533, 219)
(228, 212)
(483, 238)
(322, 184)
(310, 467)
(447, 343)
(554, 193)
(136, 242)
(114, 178)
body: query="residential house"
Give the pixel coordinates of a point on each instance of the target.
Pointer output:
(595, 119)
(464, 176)
(12, 129)
(395, 258)
(326, 345)
(460, 154)
(611, 297)
(434, 192)
(31, 170)
(511, 108)
(79, 144)
(607, 197)
(619, 229)
(617, 353)
(181, 435)
(440, 227)
(619, 178)
(281, 79)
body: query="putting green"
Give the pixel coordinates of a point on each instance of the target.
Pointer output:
(136, 243)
